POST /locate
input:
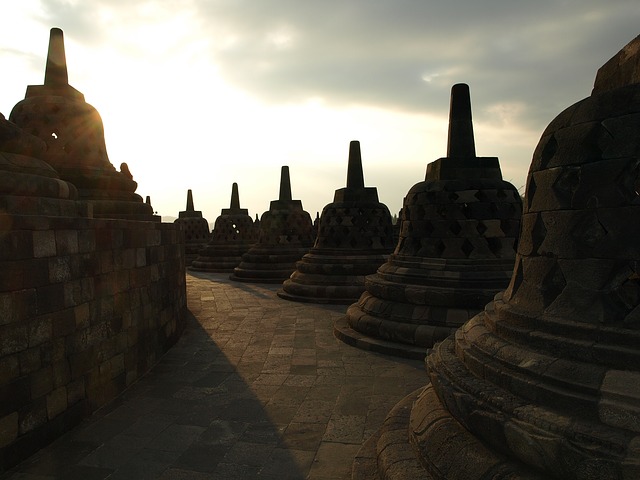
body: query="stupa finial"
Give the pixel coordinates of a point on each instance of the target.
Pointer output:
(355, 176)
(285, 185)
(460, 143)
(235, 197)
(56, 70)
(190, 207)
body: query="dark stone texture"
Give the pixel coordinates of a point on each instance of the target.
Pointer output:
(544, 382)
(456, 246)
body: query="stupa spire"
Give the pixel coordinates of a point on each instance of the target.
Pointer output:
(190, 207)
(460, 142)
(285, 185)
(56, 69)
(355, 176)
(235, 197)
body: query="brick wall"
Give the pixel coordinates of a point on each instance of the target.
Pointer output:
(86, 307)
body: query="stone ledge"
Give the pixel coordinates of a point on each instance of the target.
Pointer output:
(342, 331)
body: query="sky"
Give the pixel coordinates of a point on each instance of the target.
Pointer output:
(198, 94)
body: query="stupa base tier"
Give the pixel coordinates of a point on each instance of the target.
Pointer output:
(330, 263)
(404, 323)
(343, 331)
(266, 264)
(330, 278)
(336, 294)
(467, 295)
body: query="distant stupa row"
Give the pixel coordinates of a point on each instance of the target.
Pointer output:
(354, 237)
(233, 234)
(455, 251)
(285, 235)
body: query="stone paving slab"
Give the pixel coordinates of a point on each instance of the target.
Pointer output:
(257, 387)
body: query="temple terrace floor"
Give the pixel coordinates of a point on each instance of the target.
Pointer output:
(257, 387)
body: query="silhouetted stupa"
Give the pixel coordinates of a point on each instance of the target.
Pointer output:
(456, 249)
(233, 233)
(544, 383)
(354, 238)
(72, 129)
(285, 235)
(196, 229)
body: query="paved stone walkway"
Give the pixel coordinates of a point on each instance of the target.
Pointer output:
(257, 387)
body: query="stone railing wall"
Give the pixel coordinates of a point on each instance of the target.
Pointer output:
(87, 306)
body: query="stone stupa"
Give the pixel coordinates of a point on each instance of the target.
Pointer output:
(72, 129)
(545, 382)
(196, 229)
(233, 233)
(456, 250)
(285, 235)
(354, 238)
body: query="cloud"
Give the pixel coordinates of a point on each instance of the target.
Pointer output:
(406, 54)
(402, 55)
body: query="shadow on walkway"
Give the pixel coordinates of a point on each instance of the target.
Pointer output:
(257, 387)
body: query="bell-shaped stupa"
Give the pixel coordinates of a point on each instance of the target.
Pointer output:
(73, 131)
(355, 237)
(285, 235)
(544, 383)
(196, 229)
(456, 249)
(28, 185)
(233, 233)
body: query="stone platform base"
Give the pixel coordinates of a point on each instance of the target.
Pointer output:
(348, 335)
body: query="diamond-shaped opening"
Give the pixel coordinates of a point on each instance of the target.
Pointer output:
(428, 228)
(453, 196)
(530, 191)
(481, 195)
(455, 228)
(481, 228)
(467, 247)
(538, 234)
(548, 151)
(553, 284)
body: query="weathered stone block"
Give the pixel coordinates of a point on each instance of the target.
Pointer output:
(44, 243)
(8, 429)
(30, 361)
(50, 298)
(66, 242)
(56, 402)
(59, 269)
(41, 382)
(13, 338)
(32, 415)
(75, 391)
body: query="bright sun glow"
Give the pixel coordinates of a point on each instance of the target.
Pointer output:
(173, 119)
